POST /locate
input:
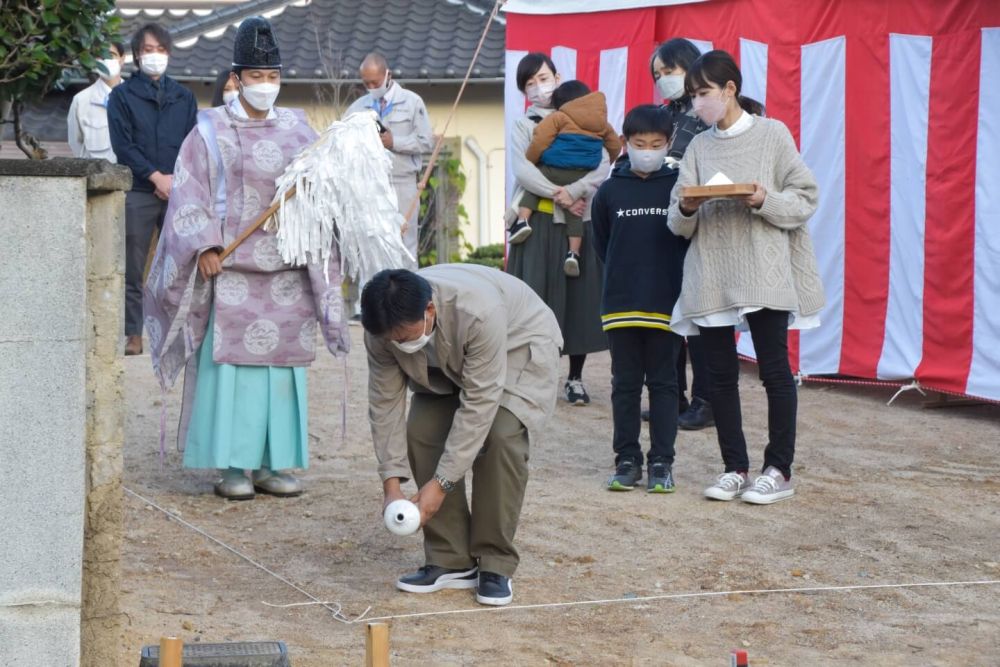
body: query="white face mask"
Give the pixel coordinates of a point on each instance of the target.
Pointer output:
(113, 66)
(229, 96)
(379, 93)
(710, 108)
(413, 346)
(153, 64)
(540, 94)
(645, 160)
(671, 86)
(261, 96)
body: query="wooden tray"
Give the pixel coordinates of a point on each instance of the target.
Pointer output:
(706, 191)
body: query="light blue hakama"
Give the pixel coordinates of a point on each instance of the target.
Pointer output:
(247, 417)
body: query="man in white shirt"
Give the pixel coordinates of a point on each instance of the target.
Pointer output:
(408, 134)
(87, 122)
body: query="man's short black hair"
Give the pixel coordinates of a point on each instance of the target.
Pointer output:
(393, 298)
(157, 31)
(569, 91)
(647, 119)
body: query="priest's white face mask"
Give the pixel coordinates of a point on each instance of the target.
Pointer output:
(260, 87)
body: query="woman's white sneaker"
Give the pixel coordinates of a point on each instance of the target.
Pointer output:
(769, 488)
(728, 485)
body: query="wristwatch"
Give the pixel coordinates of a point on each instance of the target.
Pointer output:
(446, 485)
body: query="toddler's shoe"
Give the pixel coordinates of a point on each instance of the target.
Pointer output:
(572, 264)
(519, 232)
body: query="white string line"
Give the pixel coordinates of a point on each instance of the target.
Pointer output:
(334, 607)
(677, 596)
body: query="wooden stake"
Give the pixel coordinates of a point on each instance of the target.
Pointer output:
(377, 645)
(171, 652)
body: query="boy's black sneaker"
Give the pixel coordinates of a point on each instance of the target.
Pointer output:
(494, 589)
(433, 578)
(628, 473)
(660, 478)
(519, 232)
(571, 267)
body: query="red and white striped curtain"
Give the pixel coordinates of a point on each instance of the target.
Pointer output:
(896, 108)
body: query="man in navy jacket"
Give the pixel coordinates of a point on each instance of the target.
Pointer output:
(149, 115)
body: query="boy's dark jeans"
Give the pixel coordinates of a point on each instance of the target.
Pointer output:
(644, 356)
(770, 340)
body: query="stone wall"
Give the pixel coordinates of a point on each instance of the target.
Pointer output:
(61, 416)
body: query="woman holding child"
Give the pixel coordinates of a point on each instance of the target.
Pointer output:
(538, 251)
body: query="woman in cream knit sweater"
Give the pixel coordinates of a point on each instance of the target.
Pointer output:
(750, 265)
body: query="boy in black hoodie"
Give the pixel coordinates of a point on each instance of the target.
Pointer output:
(643, 266)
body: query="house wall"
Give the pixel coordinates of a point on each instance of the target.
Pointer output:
(479, 116)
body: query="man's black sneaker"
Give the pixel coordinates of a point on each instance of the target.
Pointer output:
(519, 232)
(660, 478)
(431, 578)
(682, 404)
(644, 414)
(627, 475)
(494, 589)
(698, 416)
(576, 393)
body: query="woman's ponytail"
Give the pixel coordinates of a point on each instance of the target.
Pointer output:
(750, 105)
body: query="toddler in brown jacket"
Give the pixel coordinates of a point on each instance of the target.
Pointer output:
(566, 146)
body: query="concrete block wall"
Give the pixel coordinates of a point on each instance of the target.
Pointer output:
(61, 269)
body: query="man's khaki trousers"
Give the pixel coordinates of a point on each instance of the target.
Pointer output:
(457, 537)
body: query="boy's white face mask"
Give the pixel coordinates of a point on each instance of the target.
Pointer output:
(647, 160)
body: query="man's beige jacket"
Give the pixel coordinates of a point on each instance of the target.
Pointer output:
(496, 342)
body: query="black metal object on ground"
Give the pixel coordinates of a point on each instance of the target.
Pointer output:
(231, 654)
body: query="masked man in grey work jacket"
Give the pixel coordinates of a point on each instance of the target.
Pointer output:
(407, 135)
(480, 351)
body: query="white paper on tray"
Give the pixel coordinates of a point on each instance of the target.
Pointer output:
(719, 179)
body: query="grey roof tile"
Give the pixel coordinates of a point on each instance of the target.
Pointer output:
(423, 39)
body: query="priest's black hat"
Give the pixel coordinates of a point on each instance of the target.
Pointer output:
(255, 46)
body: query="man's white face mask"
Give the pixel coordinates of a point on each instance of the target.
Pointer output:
(379, 93)
(261, 96)
(112, 65)
(153, 64)
(417, 344)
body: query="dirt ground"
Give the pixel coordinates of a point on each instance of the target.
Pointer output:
(886, 495)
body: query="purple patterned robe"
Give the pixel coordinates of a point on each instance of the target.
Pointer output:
(265, 310)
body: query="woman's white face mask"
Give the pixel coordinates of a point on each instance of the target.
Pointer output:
(540, 94)
(671, 86)
(417, 344)
(710, 108)
(261, 96)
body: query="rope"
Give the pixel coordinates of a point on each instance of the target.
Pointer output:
(454, 107)
(334, 607)
(671, 596)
